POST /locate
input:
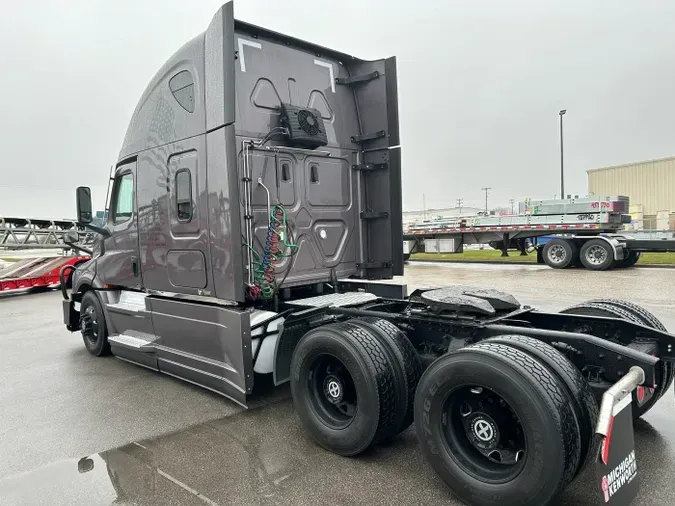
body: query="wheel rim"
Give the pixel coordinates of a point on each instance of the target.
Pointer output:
(332, 392)
(557, 254)
(484, 434)
(89, 325)
(596, 255)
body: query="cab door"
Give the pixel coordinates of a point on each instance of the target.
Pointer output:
(120, 264)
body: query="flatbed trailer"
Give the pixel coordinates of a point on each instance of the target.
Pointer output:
(273, 258)
(594, 240)
(37, 272)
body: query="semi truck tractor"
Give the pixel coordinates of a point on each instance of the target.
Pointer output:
(254, 233)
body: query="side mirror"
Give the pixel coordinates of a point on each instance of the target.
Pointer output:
(83, 197)
(71, 237)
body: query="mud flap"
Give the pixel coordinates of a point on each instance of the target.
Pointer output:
(616, 467)
(643, 394)
(71, 317)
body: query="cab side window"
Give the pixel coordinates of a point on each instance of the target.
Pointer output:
(123, 198)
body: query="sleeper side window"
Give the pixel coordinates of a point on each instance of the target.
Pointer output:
(182, 88)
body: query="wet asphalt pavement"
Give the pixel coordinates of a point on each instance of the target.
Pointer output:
(79, 430)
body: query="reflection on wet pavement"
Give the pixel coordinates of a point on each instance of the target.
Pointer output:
(263, 457)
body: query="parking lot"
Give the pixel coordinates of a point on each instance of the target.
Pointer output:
(79, 430)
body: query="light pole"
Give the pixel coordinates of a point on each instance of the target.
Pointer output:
(486, 198)
(459, 205)
(562, 166)
(512, 202)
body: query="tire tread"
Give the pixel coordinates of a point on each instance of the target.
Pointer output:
(372, 349)
(555, 396)
(633, 313)
(410, 362)
(578, 389)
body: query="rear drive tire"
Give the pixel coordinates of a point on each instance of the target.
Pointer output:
(615, 309)
(393, 362)
(578, 390)
(407, 358)
(342, 387)
(542, 421)
(92, 325)
(560, 253)
(648, 319)
(597, 255)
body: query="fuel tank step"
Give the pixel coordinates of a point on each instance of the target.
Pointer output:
(133, 343)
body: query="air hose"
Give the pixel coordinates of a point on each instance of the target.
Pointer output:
(264, 266)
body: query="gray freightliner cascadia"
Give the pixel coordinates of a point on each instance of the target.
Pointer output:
(242, 134)
(255, 210)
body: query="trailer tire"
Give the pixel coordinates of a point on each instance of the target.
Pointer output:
(342, 387)
(540, 406)
(649, 320)
(618, 309)
(578, 389)
(407, 358)
(560, 253)
(597, 255)
(93, 327)
(630, 260)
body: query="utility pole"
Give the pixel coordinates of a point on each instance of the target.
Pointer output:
(424, 206)
(459, 205)
(486, 198)
(512, 202)
(562, 166)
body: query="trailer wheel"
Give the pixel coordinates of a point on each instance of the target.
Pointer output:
(342, 387)
(614, 308)
(407, 360)
(578, 390)
(497, 426)
(560, 253)
(597, 255)
(646, 318)
(92, 325)
(630, 260)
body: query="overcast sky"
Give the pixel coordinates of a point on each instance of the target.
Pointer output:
(480, 86)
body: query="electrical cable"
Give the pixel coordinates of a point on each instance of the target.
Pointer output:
(275, 247)
(290, 264)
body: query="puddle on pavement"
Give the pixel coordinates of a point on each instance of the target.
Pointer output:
(258, 457)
